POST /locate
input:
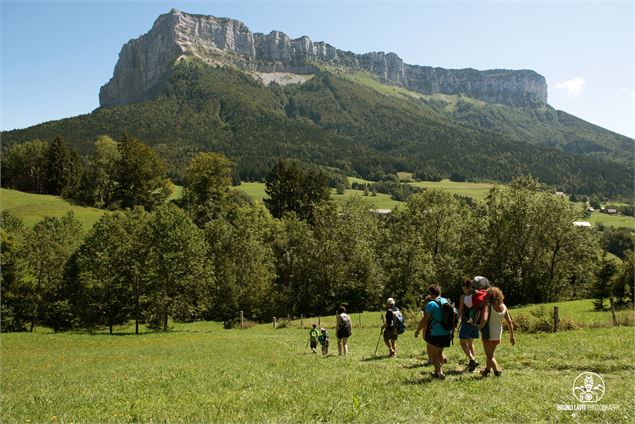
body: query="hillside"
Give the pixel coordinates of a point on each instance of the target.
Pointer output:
(327, 120)
(543, 125)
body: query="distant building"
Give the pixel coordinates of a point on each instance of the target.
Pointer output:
(381, 211)
(590, 209)
(611, 211)
(561, 194)
(582, 224)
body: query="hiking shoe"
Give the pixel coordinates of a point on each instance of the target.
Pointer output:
(472, 365)
(484, 372)
(440, 376)
(498, 373)
(391, 354)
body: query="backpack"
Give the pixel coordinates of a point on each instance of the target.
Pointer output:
(450, 315)
(398, 321)
(345, 323)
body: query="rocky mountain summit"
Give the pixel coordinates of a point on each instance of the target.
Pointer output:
(145, 63)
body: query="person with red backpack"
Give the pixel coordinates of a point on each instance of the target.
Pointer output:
(439, 328)
(469, 329)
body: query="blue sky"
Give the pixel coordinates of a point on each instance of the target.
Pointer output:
(56, 55)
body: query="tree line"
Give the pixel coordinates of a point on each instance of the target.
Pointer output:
(214, 252)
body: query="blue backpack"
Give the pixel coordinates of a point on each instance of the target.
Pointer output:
(398, 321)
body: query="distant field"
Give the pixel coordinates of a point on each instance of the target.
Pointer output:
(33, 207)
(202, 373)
(612, 220)
(476, 191)
(381, 201)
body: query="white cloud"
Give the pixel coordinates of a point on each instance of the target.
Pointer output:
(574, 87)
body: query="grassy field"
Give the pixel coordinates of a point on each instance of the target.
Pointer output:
(202, 373)
(381, 201)
(477, 191)
(33, 207)
(612, 220)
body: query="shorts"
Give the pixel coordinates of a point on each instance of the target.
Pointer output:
(341, 333)
(468, 331)
(439, 341)
(313, 345)
(390, 334)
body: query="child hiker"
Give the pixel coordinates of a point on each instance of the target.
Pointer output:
(324, 341)
(313, 338)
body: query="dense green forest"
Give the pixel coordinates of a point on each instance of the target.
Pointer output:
(331, 121)
(214, 252)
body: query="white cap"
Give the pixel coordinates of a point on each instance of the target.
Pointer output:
(390, 301)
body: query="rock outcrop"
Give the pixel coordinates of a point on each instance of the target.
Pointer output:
(144, 63)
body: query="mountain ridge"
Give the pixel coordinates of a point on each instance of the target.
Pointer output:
(144, 63)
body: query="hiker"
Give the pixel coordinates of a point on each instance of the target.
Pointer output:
(343, 322)
(394, 319)
(492, 328)
(437, 336)
(324, 341)
(313, 338)
(469, 329)
(444, 360)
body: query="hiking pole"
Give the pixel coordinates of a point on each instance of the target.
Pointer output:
(381, 330)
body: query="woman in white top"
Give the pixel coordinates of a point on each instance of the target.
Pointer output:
(492, 328)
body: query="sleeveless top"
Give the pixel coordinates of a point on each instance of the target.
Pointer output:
(495, 323)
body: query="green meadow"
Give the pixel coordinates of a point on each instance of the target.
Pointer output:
(477, 191)
(33, 207)
(612, 220)
(199, 372)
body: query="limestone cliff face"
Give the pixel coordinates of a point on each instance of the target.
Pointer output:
(145, 63)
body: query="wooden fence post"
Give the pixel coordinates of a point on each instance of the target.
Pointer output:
(288, 320)
(360, 320)
(319, 321)
(242, 318)
(274, 322)
(302, 321)
(556, 318)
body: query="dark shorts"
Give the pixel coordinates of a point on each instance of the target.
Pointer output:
(390, 334)
(343, 333)
(313, 345)
(439, 341)
(468, 331)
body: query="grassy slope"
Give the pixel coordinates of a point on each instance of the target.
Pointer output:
(201, 373)
(33, 207)
(543, 126)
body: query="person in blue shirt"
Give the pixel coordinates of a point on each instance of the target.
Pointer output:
(437, 337)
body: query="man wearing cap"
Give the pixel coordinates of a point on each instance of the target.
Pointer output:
(390, 334)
